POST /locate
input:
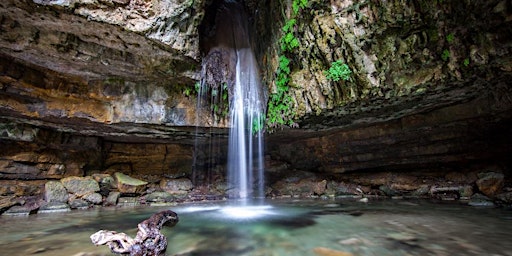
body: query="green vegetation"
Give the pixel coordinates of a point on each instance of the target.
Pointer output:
(450, 37)
(298, 4)
(289, 41)
(279, 105)
(279, 109)
(445, 55)
(466, 62)
(337, 71)
(258, 123)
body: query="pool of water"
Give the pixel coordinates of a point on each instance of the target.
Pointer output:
(283, 227)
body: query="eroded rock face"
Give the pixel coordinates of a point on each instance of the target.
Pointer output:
(91, 86)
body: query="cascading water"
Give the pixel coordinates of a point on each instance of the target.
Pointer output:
(245, 161)
(230, 71)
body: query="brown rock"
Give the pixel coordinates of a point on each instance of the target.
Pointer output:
(129, 185)
(490, 183)
(322, 251)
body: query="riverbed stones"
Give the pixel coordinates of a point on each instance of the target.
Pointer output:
(80, 186)
(129, 185)
(490, 183)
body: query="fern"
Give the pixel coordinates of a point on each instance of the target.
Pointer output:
(337, 71)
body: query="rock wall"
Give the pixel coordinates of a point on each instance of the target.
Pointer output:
(106, 86)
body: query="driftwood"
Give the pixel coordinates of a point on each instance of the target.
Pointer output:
(148, 241)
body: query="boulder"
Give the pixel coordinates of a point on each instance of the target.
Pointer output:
(129, 185)
(94, 198)
(480, 200)
(54, 191)
(78, 203)
(80, 186)
(176, 186)
(112, 198)
(159, 197)
(490, 183)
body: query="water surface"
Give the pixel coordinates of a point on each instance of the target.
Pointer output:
(284, 227)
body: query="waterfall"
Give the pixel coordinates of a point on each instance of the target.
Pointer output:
(230, 74)
(245, 160)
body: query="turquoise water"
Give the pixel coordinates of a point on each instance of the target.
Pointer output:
(285, 227)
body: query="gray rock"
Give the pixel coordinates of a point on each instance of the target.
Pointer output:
(480, 200)
(54, 207)
(174, 186)
(18, 210)
(78, 203)
(94, 198)
(159, 197)
(54, 191)
(128, 201)
(112, 198)
(80, 186)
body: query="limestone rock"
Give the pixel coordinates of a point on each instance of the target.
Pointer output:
(94, 198)
(54, 191)
(176, 186)
(80, 186)
(112, 198)
(491, 183)
(129, 185)
(78, 203)
(159, 197)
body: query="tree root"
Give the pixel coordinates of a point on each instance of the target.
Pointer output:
(148, 241)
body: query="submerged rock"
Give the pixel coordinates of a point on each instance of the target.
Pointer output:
(322, 251)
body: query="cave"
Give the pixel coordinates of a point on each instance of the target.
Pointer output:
(365, 100)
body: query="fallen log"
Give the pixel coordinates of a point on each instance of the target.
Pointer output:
(148, 241)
